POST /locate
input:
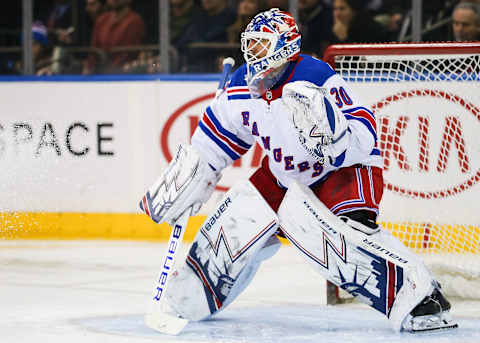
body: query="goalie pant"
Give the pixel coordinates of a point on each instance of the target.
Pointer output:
(240, 234)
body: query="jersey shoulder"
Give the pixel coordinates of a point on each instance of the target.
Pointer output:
(313, 70)
(237, 88)
(238, 77)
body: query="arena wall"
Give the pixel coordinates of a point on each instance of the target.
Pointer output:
(77, 154)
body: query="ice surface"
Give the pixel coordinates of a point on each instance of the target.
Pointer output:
(97, 291)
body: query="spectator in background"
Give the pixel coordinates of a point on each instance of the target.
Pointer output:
(392, 16)
(281, 4)
(372, 6)
(434, 13)
(93, 9)
(315, 24)
(41, 51)
(209, 26)
(182, 13)
(61, 33)
(59, 23)
(352, 24)
(466, 22)
(120, 26)
(246, 10)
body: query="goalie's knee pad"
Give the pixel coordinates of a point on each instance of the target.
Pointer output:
(269, 249)
(225, 254)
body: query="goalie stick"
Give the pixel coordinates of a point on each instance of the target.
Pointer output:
(228, 64)
(158, 317)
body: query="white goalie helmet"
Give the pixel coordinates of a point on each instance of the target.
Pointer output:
(270, 40)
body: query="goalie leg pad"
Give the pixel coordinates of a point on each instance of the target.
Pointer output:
(375, 267)
(270, 248)
(225, 254)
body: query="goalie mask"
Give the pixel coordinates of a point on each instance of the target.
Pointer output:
(270, 40)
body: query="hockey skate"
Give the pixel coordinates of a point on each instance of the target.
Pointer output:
(431, 314)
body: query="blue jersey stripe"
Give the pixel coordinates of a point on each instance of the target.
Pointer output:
(339, 160)
(233, 155)
(225, 132)
(239, 97)
(330, 115)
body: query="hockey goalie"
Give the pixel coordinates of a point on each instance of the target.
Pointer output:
(319, 185)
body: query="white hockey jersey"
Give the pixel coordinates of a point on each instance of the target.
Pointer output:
(234, 121)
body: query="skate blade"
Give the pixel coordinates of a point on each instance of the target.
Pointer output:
(440, 321)
(446, 327)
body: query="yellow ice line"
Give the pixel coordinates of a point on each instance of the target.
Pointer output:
(47, 225)
(435, 238)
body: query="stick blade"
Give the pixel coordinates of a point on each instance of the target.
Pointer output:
(165, 323)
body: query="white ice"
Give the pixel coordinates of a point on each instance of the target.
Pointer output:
(97, 291)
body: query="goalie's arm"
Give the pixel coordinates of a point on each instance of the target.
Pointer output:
(361, 139)
(218, 135)
(192, 175)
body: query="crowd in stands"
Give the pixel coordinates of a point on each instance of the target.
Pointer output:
(122, 36)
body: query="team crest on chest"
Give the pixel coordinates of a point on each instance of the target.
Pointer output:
(277, 154)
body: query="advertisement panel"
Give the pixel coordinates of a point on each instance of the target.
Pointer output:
(428, 136)
(94, 147)
(74, 147)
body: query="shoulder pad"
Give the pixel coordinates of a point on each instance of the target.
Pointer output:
(237, 88)
(238, 77)
(313, 70)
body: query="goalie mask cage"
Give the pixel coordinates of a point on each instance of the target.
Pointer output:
(426, 99)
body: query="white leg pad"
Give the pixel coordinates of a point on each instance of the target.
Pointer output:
(269, 249)
(225, 254)
(377, 269)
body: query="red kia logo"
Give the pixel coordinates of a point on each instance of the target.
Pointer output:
(451, 150)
